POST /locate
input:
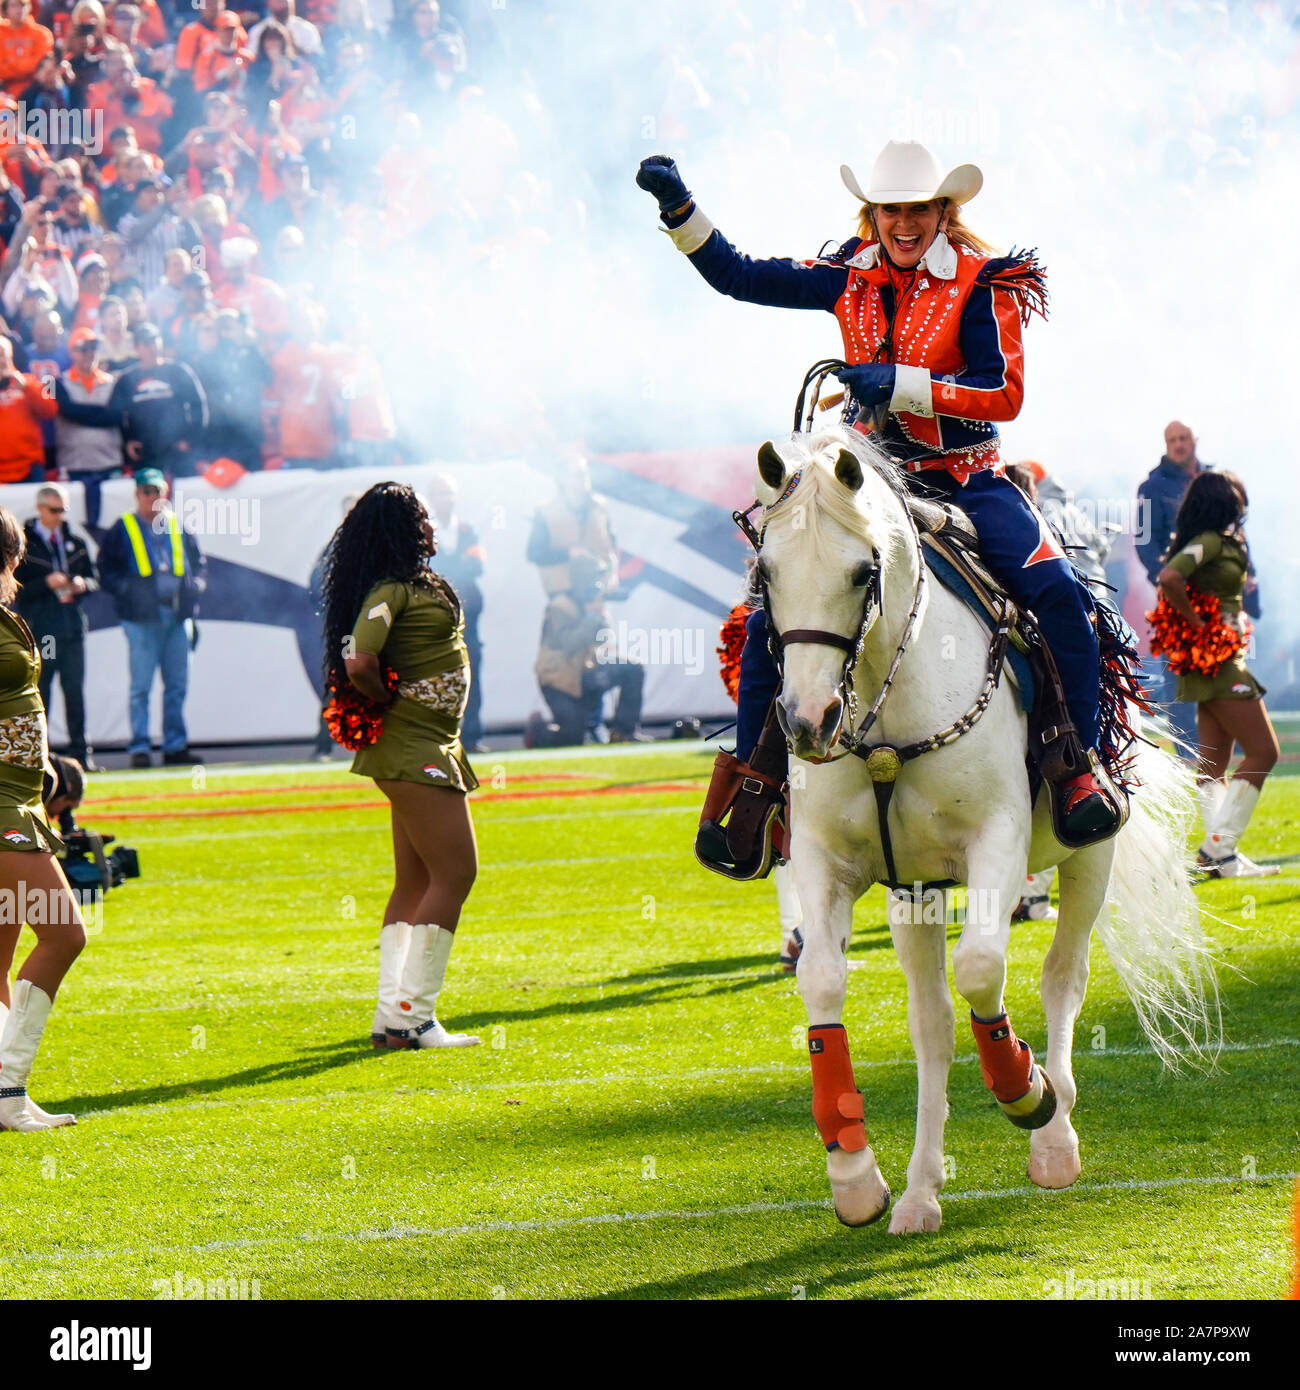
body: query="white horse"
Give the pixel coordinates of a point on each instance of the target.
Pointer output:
(833, 521)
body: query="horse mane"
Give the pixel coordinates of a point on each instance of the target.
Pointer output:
(824, 498)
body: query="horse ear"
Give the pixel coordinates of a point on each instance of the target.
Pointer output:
(771, 467)
(848, 470)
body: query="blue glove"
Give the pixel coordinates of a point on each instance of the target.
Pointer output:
(871, 383)
(658, 175)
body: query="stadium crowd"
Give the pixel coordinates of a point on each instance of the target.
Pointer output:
(174, 184)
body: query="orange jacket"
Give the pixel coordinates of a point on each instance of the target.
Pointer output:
(23, 405)
(22, 46)
(155, 107)
(214, 67)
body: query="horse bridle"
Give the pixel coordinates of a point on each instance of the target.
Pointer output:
(884, 761)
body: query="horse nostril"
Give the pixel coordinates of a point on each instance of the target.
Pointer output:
(783, 720)
(830, 724)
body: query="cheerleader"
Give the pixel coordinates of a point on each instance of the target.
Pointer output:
(29, 873)
(1209, 554)
(397, 674)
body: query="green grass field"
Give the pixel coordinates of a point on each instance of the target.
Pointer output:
(636, 1123)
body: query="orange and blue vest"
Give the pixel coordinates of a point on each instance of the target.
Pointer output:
(956, 335)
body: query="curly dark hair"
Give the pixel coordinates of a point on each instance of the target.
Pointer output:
(381, 538)
(1215, 501)
(13, 546)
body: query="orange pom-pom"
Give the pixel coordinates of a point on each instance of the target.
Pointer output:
(1194, 651)
(733, 643)
(354, 720)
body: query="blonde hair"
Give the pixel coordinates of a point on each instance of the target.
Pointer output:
(959, 234)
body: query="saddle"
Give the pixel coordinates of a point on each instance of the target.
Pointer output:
(744, 823)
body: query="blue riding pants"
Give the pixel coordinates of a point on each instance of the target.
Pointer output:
(1020, 551)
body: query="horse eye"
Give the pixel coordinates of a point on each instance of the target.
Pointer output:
(863, 575)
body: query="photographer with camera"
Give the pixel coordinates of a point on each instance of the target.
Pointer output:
(31, 879)
(89, 870)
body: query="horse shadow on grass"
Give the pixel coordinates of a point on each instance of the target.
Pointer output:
(858, 1257)
(310, 1061)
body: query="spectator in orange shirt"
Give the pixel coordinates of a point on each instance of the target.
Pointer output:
(199, 35)
(304, 384)
(24, 406)
(222, 64)
(153, 27)
(275, 147)
(127, 98)
(263, 299)
(23, 43)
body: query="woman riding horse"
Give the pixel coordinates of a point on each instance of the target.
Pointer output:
(931, 324)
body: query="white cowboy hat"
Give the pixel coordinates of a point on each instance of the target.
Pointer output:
(906, 172)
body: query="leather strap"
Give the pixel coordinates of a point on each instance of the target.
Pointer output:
(818, 637)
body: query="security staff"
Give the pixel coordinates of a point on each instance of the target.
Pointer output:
(155, 572)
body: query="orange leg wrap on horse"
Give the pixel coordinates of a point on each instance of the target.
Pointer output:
(837, 1102)
(1007, 1063)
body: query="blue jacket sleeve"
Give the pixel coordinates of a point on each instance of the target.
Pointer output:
(779, 284)
(1151, 551)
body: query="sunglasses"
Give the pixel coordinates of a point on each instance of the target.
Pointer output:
(58, 511)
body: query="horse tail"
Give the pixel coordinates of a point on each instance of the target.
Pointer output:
(1151, 924)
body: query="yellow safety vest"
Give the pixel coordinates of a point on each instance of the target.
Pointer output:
(141, 551)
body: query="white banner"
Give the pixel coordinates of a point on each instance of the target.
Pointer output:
(249, 678)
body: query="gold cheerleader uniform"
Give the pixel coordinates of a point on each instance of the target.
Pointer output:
(1217, 565)
(23, 747)
(416, 632)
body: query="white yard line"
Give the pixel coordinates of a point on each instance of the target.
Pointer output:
(621, 1218)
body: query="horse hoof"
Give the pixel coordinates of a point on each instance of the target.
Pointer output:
(1054, 1168)
(1036, 1107)
(858, 1191)
(912, 1218)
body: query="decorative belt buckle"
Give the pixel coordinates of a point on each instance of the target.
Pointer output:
(883, 763)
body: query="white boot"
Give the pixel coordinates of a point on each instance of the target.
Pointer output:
(19, 1043)
(791, 915)
(422, 977)
(394, 939)
(1209, 796)
(1224, 860)
(1036, 898)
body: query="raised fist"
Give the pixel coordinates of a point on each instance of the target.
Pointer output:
(658, 175)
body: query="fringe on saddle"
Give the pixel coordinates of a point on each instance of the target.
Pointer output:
(1021, 274)
(1121, 696)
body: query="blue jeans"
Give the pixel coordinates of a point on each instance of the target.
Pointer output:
(164, 646)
